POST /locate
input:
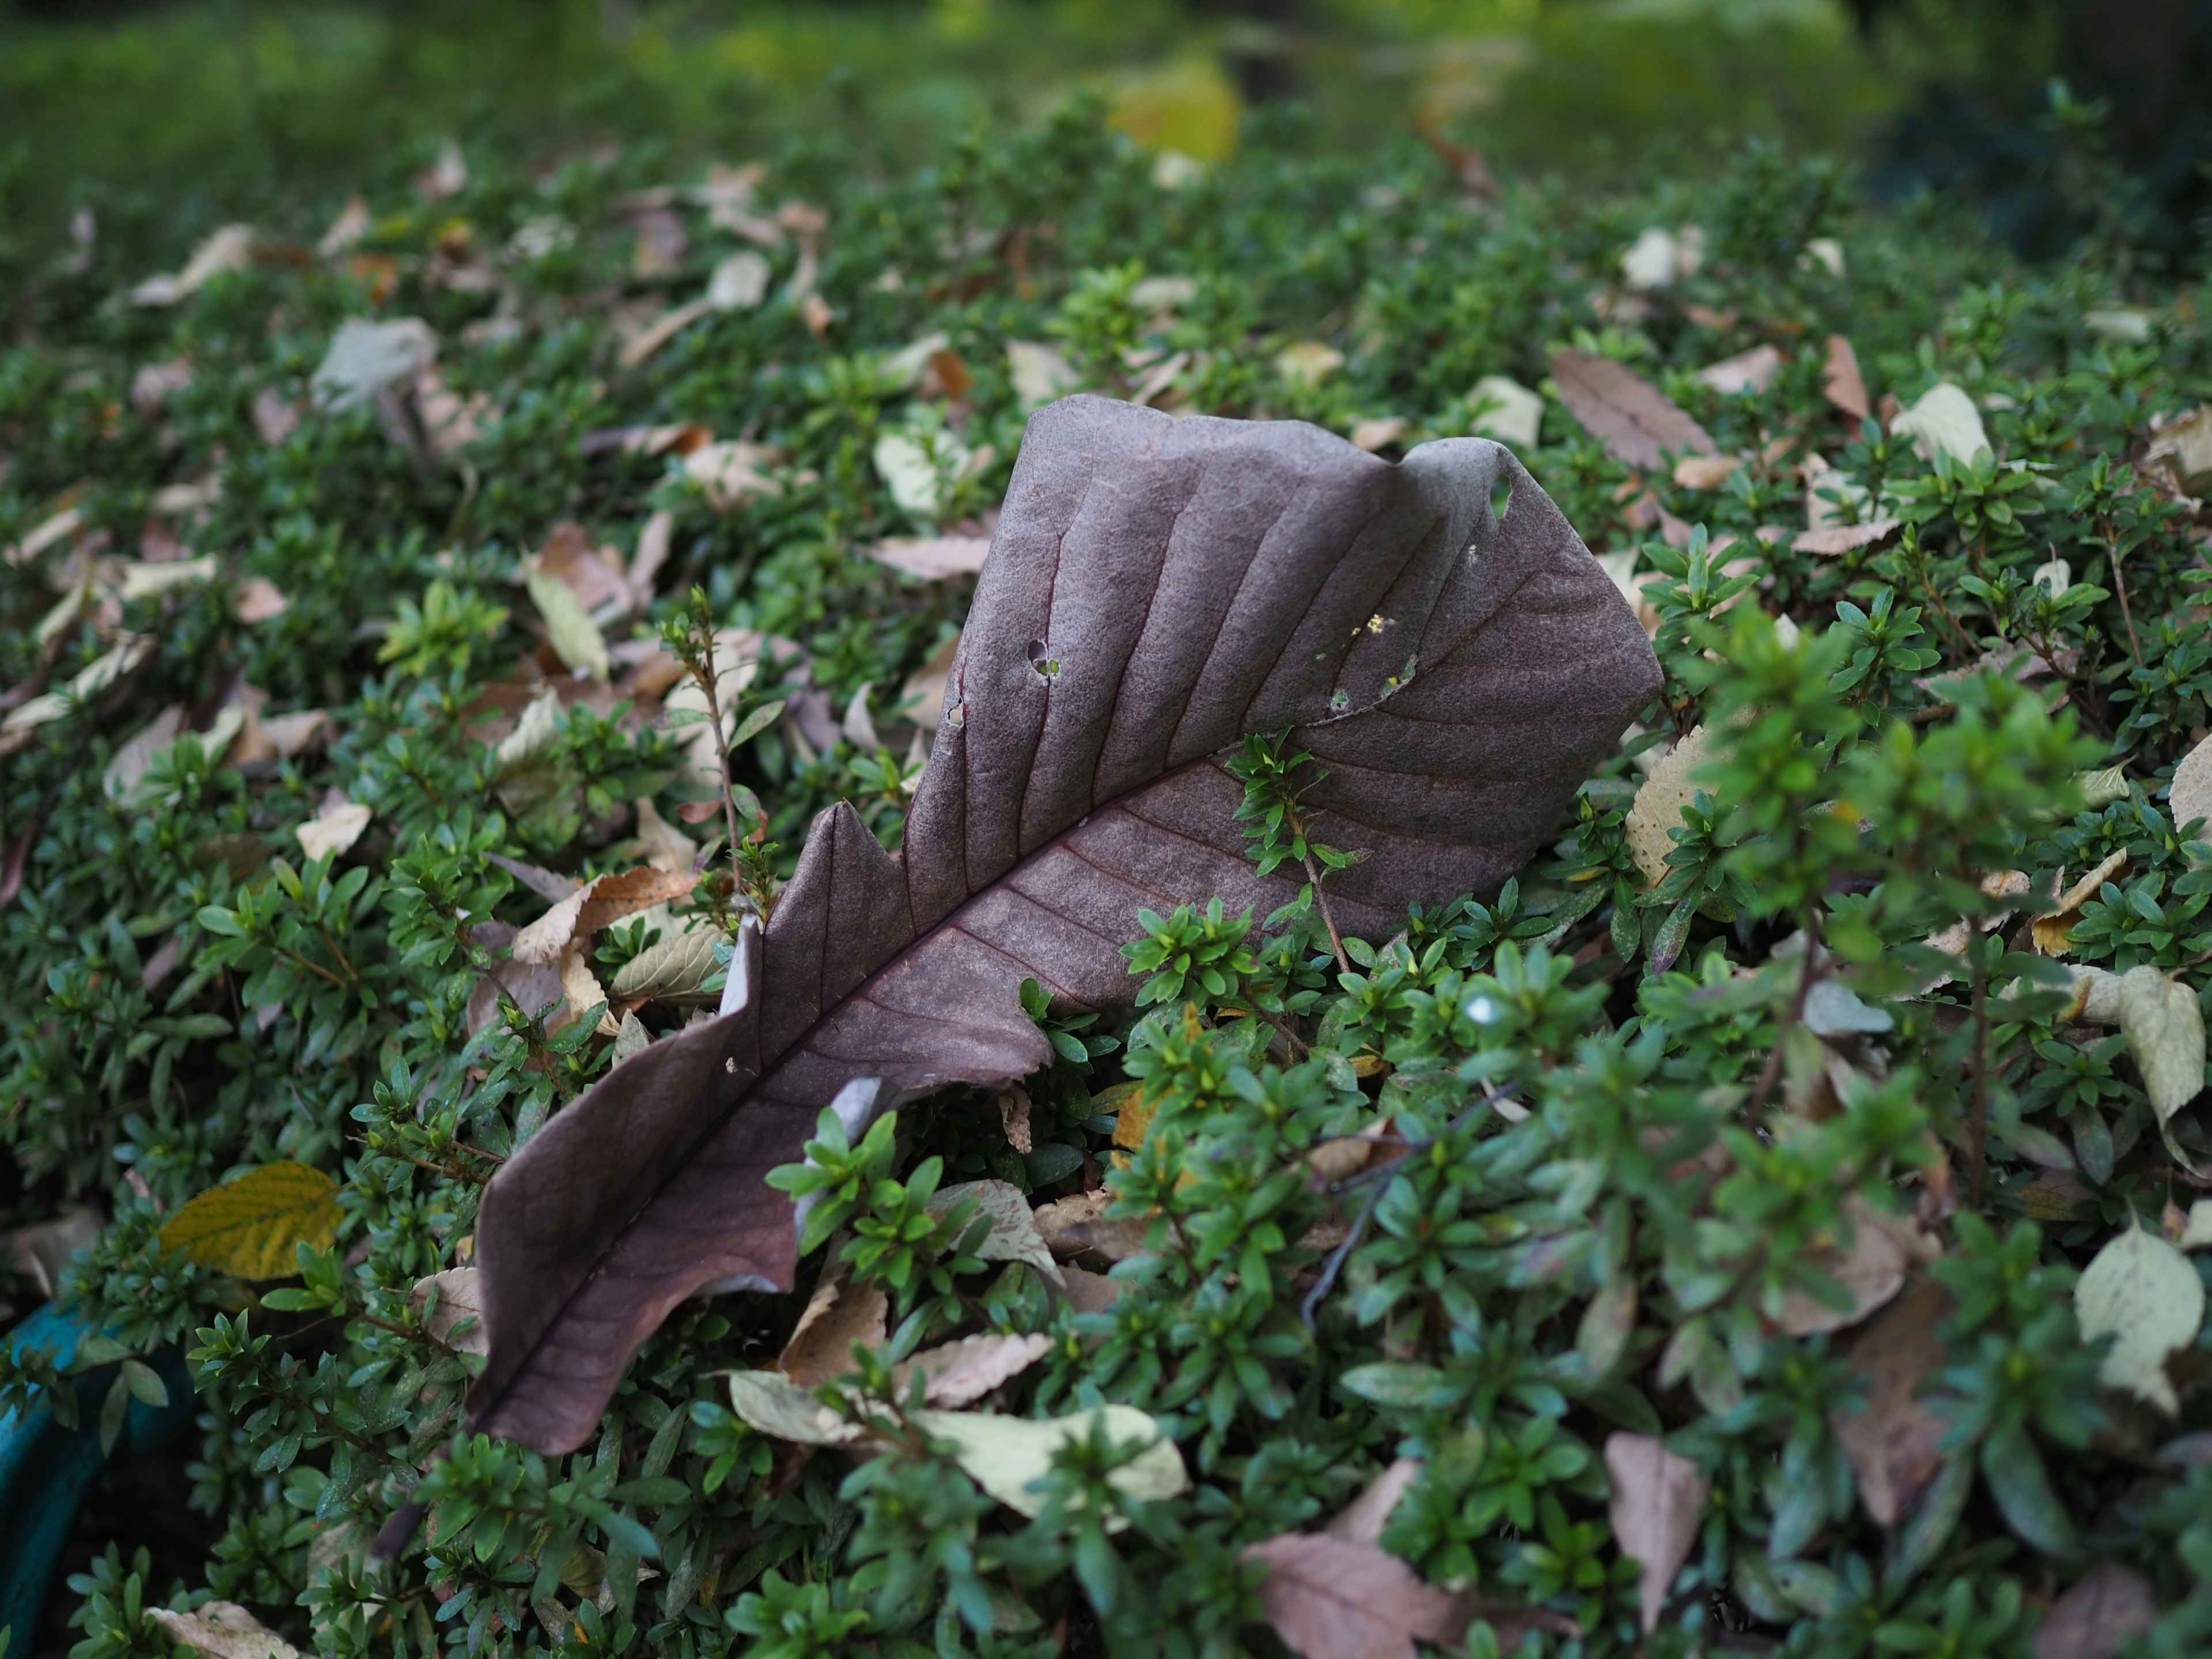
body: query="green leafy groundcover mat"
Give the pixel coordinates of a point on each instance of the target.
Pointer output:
(1771, 1223)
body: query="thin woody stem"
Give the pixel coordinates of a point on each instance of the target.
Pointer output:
(1327, 919)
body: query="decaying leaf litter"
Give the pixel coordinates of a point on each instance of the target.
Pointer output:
(1908, 1044)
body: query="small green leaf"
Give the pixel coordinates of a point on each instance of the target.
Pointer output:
(144, 1384)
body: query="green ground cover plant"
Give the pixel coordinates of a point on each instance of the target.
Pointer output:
(1774, 1221)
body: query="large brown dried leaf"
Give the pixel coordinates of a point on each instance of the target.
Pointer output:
(1635, 421)
(2099, 1612)
(1894, 1442)
(1338, 1598)
(1189, 582)
(1656, 1499)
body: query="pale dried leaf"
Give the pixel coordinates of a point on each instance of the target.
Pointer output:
(663, 845)
(1894, 1444)
(259, 600)
(1943, 422)
(1040, 374)
(2190, 797)
(962, 1372)
(230, 247)
(333, 830)
(779, 1407)
(457, 1300)
(631, 1039)
(1506, 410)
(1833, 540)
(1307, 362)
(839, 1314)
(222, 1630)
(1014, 1236)
(575, 636)
(1006, 1455)
(2183, 447)
(365, 356)
(1659, 803)
(739, 282)
(2165, 1029)
(2196, 1232)
(1364, 1519)
(602, 900)
(1330, 1597)
(936, 558)
(1747, 371)
(1706, 472)
(2143, 1292)
(593, 575)
(653, 540)
(579, 986)
(1638, 423)
(728, 472)
(2099, 1614)
(1655, 1502)
(1377, 434)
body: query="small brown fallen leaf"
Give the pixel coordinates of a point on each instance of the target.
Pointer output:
(960, 1372)
(2049, 930)
(1364, 1519)
(1840, 538)
(937, 559)
(1840, 379)
(42, 1251)
(1656, 1500)
(1871, 1269)
(1088, 1293)
(1637, 421)
(838, 1315)
(653, 540)
(1894, 1444)
(1706, 472)
(1078, 1226)
(457, 1300)
(259, 599)
(594, 577)
(2099, 1611)
(602, 900)
(1747, 371)
(1330, 1597)
(222, 1630)
(1375, 435)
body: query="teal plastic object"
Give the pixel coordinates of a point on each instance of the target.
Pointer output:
(46, 1470)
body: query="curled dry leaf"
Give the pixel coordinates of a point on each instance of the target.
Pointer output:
(1638, 423)
(962, 1372)
(2144, 1294)
(839, 1314)
(935, 559)
(2100, 1612)
(1455, 673)
(602, 900)
(1895, 1442)
(1659, 802)
(334, 828)
(1655, 1502)
(456, 1290)
(222, 1630)
(2049, 929)
(1841, 382)
(1364, 1519)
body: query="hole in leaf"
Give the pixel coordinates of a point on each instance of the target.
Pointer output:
(1043, 660)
